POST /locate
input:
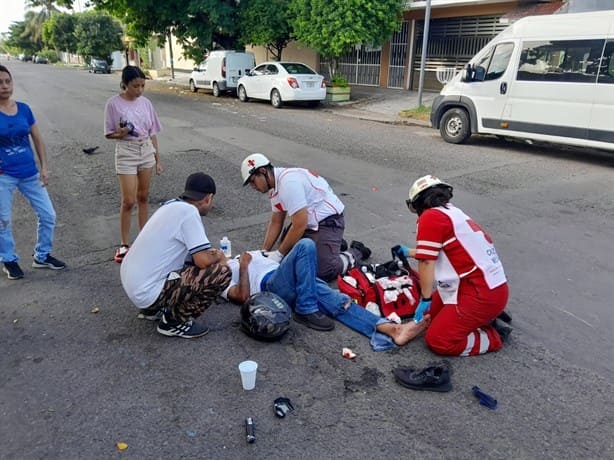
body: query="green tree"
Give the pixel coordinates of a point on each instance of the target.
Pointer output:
(199, 25)
(265, 23)
(19, 40)
(332, 27)
(59, 32)
(97, 34)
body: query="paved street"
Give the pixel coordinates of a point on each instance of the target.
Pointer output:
(73, 383)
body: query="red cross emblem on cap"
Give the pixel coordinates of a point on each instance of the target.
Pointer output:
(251, 163)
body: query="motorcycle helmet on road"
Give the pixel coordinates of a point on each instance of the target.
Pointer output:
(265, 316)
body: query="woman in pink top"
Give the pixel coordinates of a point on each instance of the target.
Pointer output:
(131, 119)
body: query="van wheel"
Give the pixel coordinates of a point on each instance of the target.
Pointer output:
(276, 99)
(216, 90)
(454, 126)
(242, 94)
(193, 87)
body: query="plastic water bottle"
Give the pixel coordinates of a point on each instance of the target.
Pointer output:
(226, 247)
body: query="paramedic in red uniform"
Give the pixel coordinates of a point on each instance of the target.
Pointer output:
(458, 256)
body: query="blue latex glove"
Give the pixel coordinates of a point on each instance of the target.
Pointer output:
(423, 307)
(402, 251)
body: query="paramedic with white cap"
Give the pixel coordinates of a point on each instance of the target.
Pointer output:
(315, 213)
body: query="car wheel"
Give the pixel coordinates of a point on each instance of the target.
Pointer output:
(276, 99)
(193, 87)
(216, 90)
(242, 94)
(454, 126)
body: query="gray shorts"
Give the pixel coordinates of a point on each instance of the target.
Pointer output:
(134, 156)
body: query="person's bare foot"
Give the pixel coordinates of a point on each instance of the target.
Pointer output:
(404, 333)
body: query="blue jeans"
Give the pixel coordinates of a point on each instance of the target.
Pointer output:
(37, 195)
(295, 281)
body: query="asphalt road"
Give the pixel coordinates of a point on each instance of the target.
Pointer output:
(73, 383)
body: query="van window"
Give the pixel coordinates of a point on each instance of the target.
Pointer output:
(606, 70)
(494, 63)
(560, 60)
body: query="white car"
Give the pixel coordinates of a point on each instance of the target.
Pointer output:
(281, 82)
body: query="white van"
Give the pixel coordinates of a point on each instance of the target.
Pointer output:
(544, 78)
(221, 71)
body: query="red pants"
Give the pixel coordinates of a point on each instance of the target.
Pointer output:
(464, 329)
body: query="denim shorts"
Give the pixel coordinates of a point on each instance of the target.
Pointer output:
(132, 157)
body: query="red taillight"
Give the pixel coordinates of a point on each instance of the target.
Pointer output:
(224, 68)
(293, 82)
(323, 85)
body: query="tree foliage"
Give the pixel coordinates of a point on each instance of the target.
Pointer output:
(332, 27)
(199, 25)
(97, 34)
(265, 23)
(19, 40)
(59, 32)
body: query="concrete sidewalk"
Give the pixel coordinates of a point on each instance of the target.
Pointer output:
(367, 102)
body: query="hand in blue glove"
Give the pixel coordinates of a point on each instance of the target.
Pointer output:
(401, 250)
(423, 307)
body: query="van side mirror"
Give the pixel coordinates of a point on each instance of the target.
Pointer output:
(195, 69)
(467, 74)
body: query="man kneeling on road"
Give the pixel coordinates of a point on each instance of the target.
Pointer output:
(154, 274)
(295, 281)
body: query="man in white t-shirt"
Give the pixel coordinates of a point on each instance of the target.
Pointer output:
(154, 273)
(315, 213)
(295, 281)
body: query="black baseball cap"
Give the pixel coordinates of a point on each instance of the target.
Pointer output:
(197, 186)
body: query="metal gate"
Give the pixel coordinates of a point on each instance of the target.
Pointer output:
(398, 57)
(360, 66)
(452, 43)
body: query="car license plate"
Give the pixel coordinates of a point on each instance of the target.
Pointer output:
(310, 84)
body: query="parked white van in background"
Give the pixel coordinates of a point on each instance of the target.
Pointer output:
(544, 78)
(221, 71)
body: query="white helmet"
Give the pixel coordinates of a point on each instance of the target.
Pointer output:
(251, 164)
(422, 184)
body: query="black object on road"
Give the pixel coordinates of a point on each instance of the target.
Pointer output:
(90, 150)
(435, 377)
(249, 430)
(282, 406)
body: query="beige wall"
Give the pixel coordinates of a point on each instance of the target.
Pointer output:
(293, 52)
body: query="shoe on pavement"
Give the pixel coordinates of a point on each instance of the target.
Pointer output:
(317, 321)
(150, 314)
(432, 378)
(505, 317)
(13, 270)
(121, 253)
(187, 330)
(365, 252)
(49, 262)
(503, 331)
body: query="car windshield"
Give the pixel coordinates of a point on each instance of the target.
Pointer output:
(296, 68)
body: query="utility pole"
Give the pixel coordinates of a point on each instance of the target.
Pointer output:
(169, 39)
(425, 40)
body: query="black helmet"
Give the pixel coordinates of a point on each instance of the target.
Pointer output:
(265, 316)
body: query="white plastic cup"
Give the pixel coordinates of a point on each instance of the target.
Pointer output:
(248, 374)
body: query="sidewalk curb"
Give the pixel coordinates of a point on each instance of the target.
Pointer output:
(373, 117)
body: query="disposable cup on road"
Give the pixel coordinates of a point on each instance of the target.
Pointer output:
(248, 374)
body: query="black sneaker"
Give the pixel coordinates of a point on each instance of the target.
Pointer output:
(317, 321)
(503, 330)
(505, 317)
(432, 378)
(150, 314)
(49, 262)
(365, 252)
(12, 270)
(187, 330)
